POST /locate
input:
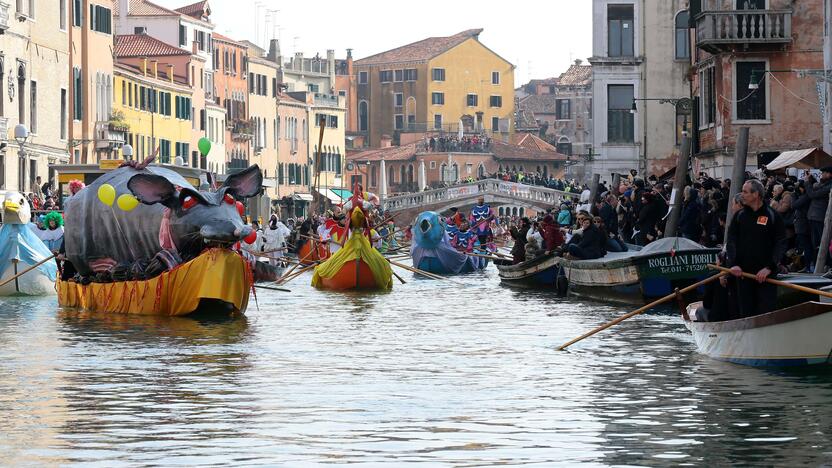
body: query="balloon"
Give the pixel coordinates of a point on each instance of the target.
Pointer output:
(204, 145)
(127, 202)
(107, 194)
(251, 238)
(241, 209)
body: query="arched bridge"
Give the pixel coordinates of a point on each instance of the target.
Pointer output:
(496, 193)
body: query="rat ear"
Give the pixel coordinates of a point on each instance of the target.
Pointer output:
(246, 183)
(151, 189)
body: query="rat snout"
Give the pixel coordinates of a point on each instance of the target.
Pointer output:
(242, 233)
(224, 231)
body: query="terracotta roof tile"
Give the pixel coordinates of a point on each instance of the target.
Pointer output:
(532, 142)
(142, 45)
(515, 152)
(392, 153)
(576, 75)
(538, 104)
(525, 119)
(421, 50)
(196, 9)
(145, 8)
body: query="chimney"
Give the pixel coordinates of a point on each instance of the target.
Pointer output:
(298, 63)
(578, 62)
(386, 141)
(123, 12)
(155, 68)
(274, 51)
(330, 67)
(144, 66)
(349, 53)
(170, 72)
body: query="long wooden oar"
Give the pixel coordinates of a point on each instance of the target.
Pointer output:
(271, 289)
(27, 270)
(784, 284)
(642, 310)
(487, 257)
(422, 272)
(286, 278)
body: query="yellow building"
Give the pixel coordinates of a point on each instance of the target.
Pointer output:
(434, 85)
(156, 107)
(262, 105)
(328, 163)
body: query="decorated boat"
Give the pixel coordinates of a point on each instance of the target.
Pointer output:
(541, 271)
(218, 280)
(312, 252)
(20, 250)
(794, 336)
(356, 265)
(641, 273)
(142, 240)
(432, 250)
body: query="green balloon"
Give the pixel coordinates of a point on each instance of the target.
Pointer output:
(204, 145)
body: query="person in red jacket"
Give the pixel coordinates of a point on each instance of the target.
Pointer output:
(552, 235)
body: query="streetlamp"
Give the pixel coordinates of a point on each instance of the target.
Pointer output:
(21, 134)
(127, 152)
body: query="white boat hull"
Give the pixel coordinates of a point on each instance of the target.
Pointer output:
(33, 283)
(796, 336)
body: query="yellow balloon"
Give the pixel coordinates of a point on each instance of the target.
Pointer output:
(107, 194)
(127, 202)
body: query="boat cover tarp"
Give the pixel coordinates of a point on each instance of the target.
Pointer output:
(451, 259)
(809, 158)
(18, 241)
(658, 247)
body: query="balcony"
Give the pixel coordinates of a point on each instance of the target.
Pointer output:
(4, 17)
(4, 129)
(725, 30)
(110, 134)
(329, 100)
(241, 131)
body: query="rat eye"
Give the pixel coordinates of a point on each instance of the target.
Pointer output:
(189, 202)
(229, 199)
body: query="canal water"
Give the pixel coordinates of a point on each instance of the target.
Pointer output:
(432, 373)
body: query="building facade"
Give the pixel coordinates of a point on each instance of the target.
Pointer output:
(641, 91)
(34, 78)
(231, 83)
(766, 76)
(215, 133)
(435, 85)
(262, 97)
(293, 172)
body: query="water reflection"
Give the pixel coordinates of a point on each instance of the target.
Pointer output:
(433, 373)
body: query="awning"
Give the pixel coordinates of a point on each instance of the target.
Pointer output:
(810, 158)
(302, 196)
(336, 196)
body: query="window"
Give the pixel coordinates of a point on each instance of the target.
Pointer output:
(164, 151)
(199, 38)
(682, 123)
(438, 99)
(313, 88)
(437, 121)
(433, 164)
(398, 121)
(563, 109)
(32, 9)
(438, 74)
(751, 103)
(363, 116)
(471, 100)
(707, 97)
(620, 122)
(333, 121)
(620, 29)
(410, 74)
(495, 124)
(183, 35)
(398, 75)
(682, 35)
(62, 13)
(101, 19)
(495, 78)
(77, 13)
(399, 100)
(362, 77)
(63, 114)
(385, 76)
(77, 95)
(495, 101)
(564, 146)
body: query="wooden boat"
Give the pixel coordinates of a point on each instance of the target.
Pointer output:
(352, 275)
(219, 280)
(538, 272)
(308, 256)
(20, 250)
(794, 336)
(357, 265)
(638, 275)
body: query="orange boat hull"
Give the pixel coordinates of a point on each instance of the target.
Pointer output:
(354, 274)
(320, 253)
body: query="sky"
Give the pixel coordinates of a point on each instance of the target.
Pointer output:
(540, 37)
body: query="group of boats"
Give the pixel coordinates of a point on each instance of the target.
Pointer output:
(797, 333)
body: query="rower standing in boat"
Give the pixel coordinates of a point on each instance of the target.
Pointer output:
(756, 242)
(480, 219)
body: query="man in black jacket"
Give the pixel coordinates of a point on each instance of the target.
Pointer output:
(818, 193)
(756, 243)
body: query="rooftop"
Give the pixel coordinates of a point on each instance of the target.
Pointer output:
(420, 51)
(576, 75)
(142, 45)
(532, 142)
(392, 153)
(538, 103)
(162, 74)
(144, 8)
(199, 10)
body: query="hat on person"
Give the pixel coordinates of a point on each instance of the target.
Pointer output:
(826, 169)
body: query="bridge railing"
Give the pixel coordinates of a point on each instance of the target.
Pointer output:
(533, 194)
